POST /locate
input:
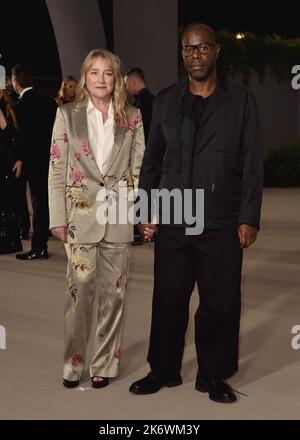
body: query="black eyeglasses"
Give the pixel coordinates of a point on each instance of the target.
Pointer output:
(203, 48)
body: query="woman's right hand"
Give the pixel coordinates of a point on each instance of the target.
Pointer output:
(147, 231)
(60, 232)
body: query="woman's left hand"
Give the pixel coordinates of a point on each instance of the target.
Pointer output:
(17, 168)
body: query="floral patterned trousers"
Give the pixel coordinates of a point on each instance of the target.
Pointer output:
(96, 277)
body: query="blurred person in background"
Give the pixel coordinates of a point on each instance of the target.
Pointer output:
(10, 171)
(67, 91)
(142, 97)
(35, 115)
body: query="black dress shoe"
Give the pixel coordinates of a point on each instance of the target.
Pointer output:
(151, 384)
(70, 383)
(218, 390)
(33, 255)
(99, 383)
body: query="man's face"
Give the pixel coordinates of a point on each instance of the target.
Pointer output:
(199, 62)
(15, 84)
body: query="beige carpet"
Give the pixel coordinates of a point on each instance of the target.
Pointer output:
(31, 310)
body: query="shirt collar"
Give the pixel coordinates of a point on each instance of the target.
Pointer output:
(91, 107)
(24, 90)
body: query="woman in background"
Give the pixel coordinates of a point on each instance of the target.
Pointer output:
(67, 91)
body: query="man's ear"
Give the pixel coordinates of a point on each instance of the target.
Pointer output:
(218, 50)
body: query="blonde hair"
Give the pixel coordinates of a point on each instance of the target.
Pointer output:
(62, 91)
(119, 96)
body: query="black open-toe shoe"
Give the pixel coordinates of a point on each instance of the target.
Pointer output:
(70, 383)
(99, 383)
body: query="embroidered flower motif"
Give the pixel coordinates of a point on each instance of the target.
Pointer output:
(74, 292)
(71, 232)
(118, 353)
(86, 149)
(83, 206)
(81, 266)
(65, 138)
(55, 152)
(75, 247)
(77, 177)
(76, 359)
(131, 124)
(77, 156)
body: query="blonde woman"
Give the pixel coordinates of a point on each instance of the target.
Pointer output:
(97, 149)
(67, 91)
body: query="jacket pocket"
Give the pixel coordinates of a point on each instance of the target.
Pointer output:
(222, 198)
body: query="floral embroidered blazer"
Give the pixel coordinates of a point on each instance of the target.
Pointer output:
(80, 197)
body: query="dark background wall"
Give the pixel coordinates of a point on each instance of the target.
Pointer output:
(279, 18)
(145, 35)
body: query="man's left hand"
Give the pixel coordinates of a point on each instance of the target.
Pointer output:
(247, 235)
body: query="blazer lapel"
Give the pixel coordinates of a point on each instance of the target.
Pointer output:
(119, 135)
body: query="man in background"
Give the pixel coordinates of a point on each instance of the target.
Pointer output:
(35, 116)
(142, 97)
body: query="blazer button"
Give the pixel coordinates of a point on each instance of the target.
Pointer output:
(101, 184)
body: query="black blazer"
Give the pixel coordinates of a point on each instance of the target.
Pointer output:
(228, 156)
(35, 116)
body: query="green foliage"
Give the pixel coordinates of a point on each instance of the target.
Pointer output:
(241, 56)
(282, 167)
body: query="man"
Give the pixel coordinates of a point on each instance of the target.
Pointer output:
(35, 115)
(23, 213)
(204, 134)
(143, 98)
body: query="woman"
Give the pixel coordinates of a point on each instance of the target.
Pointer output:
(97, 150)
(10, 170)
(67, 91)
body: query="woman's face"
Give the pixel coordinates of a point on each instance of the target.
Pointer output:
(99, 79)
(70, 89)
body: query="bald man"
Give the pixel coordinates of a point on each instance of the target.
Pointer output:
(204, 135)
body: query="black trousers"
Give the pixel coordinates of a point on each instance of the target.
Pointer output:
(22, 205)
(213, 260)
(38, 184)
